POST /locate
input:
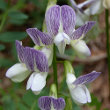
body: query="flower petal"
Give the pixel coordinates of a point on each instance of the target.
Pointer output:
(38, 82)
(68, 19)
(38, 36)
(20, 50)
(106, 4)
(87, 94)
(58, 104)
(29, 58)
(48, 102)
(86, 78)
(35, 59)
(81, 31)
(29, 82)
(80, 95)
(60, 41)
(81, 47)
(86, 3)
(41, 61)
(17, 72)
(49, 54)
(44, 103)
(96, 7)
(52, 18)
(75, 6)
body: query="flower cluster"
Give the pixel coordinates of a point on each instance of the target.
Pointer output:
(60, 24)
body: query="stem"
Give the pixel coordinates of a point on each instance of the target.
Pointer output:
(107, 43)
(55, 67)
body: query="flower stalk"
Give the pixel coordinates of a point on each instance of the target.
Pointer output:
(55, 67)
(108, 43)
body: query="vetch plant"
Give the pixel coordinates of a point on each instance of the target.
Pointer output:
(60, 30)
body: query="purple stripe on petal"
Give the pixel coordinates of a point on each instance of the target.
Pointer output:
(38, 36)
(35, 58)
(68, 19)
(59, 104)
(52, 18)
(41, 61)
(44, 103)
(29, 58)
(88, 26)
(20, 50)
(48, 102)
(82, 30)
(87, 78)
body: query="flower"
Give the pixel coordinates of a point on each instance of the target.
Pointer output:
(31, 61)
(77, 88)
(60, 22)
(93, 7)
(51, 103)
(106, 4)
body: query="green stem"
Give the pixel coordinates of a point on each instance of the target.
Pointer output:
(108, 43)
(55, 67)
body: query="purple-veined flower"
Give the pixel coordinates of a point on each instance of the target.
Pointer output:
(77, 86)
(51, 103)
(31, 61)
(60, 23)
(82, 14)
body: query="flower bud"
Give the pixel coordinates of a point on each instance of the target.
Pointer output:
(53, 91)
(68, 67)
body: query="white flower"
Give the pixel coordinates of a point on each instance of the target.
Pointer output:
(77, 88)
(17, 72)
(106, 4)
(81, 47)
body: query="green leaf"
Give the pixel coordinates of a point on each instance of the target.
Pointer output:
(1, 107)
(6, 62)
(78, 70)
(22, 107)
(2, 47)
(68, 104)
(12, 36)
(75, 106)
(8, 103)
(17, 17)
(3, 5)
(95, 102)
(40, 3)
(29, 98)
